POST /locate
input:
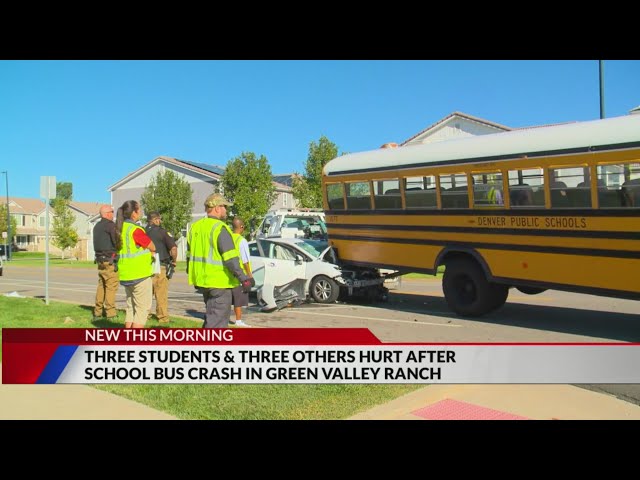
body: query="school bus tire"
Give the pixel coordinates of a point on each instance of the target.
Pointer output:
(531, 290)
(324, 289)
(467, 290)
(500, 294)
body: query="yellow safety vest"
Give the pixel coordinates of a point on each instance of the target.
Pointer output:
(205, 262)
(236, 240)
(135, 261)
(492, 196)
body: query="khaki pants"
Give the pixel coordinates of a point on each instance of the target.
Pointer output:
(161, 292)
(139, 298)
(106, 292)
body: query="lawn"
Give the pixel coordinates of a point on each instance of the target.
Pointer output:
(220, 402)
(36, 259)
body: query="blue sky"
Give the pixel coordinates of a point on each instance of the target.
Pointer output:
(93, 122)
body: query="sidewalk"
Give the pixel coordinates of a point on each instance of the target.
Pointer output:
(432, 402)
(69, 402)
(503, 402)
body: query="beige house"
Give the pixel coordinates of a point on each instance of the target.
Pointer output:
(31, 214)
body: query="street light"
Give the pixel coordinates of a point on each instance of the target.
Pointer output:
(601, 68)
(9, 238)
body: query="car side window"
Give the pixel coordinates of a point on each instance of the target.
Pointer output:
(283, 253)
(253, 250)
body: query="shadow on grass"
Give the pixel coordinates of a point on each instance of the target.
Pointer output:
(195, 313)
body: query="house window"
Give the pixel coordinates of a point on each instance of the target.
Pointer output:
(284, 199)
(43, 220)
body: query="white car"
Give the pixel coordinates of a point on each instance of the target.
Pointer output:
(280, 261)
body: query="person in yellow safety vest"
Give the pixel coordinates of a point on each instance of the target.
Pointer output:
(240, 297)
(213, 262)
(135, 264)
(494, 196)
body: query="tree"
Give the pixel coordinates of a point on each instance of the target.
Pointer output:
(63, 190)
(171, 196)
(307, 189)
(65, 235)
(3, 223)
(247, 181)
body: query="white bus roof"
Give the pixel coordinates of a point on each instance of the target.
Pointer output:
(596, 135)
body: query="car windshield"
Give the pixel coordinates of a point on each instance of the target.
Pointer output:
(312, 247)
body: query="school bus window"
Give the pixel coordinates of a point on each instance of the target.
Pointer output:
(358, 196)
(335, 196)
(609, 179)
(420, 192)
(386, 194)
(526, 188)
(487, 189)
(454, 190)
(569, 188)
(631, 185)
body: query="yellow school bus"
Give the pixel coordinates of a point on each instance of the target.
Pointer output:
(554, 207)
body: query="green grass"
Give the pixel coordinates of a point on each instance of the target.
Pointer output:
(425, 275)
(195, 402)
(260, 402)
(37, 259)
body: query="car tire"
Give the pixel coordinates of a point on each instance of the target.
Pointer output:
(324, 289)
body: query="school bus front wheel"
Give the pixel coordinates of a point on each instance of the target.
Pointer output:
(467, 290)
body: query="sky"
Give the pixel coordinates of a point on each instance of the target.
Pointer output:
(92, 123)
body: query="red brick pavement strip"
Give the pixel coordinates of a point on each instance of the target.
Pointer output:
(456, 410)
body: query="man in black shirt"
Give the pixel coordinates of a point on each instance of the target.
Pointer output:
(168, 254)
(106, 244)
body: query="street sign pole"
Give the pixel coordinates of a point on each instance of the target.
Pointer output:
(47, 191)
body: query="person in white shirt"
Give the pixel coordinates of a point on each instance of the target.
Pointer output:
(240, 297)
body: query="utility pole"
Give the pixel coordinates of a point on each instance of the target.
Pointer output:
(601, 65)
(9, 237)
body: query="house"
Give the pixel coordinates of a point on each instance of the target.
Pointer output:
(285, 197)
(30, 215)
(455, 125)
(203, 179)
(86, 215)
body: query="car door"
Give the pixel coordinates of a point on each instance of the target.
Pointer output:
(282, 263)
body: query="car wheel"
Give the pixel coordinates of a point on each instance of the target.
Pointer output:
(324, 290)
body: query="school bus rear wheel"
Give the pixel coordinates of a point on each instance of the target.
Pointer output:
(467, 290)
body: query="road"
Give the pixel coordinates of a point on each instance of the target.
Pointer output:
(416, 312)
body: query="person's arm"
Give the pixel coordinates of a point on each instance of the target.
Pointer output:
(172, 248)
(225, 244)
(113, 234)
(244, 256)
(142, 240)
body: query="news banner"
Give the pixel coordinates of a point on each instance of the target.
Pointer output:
(297, 355)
